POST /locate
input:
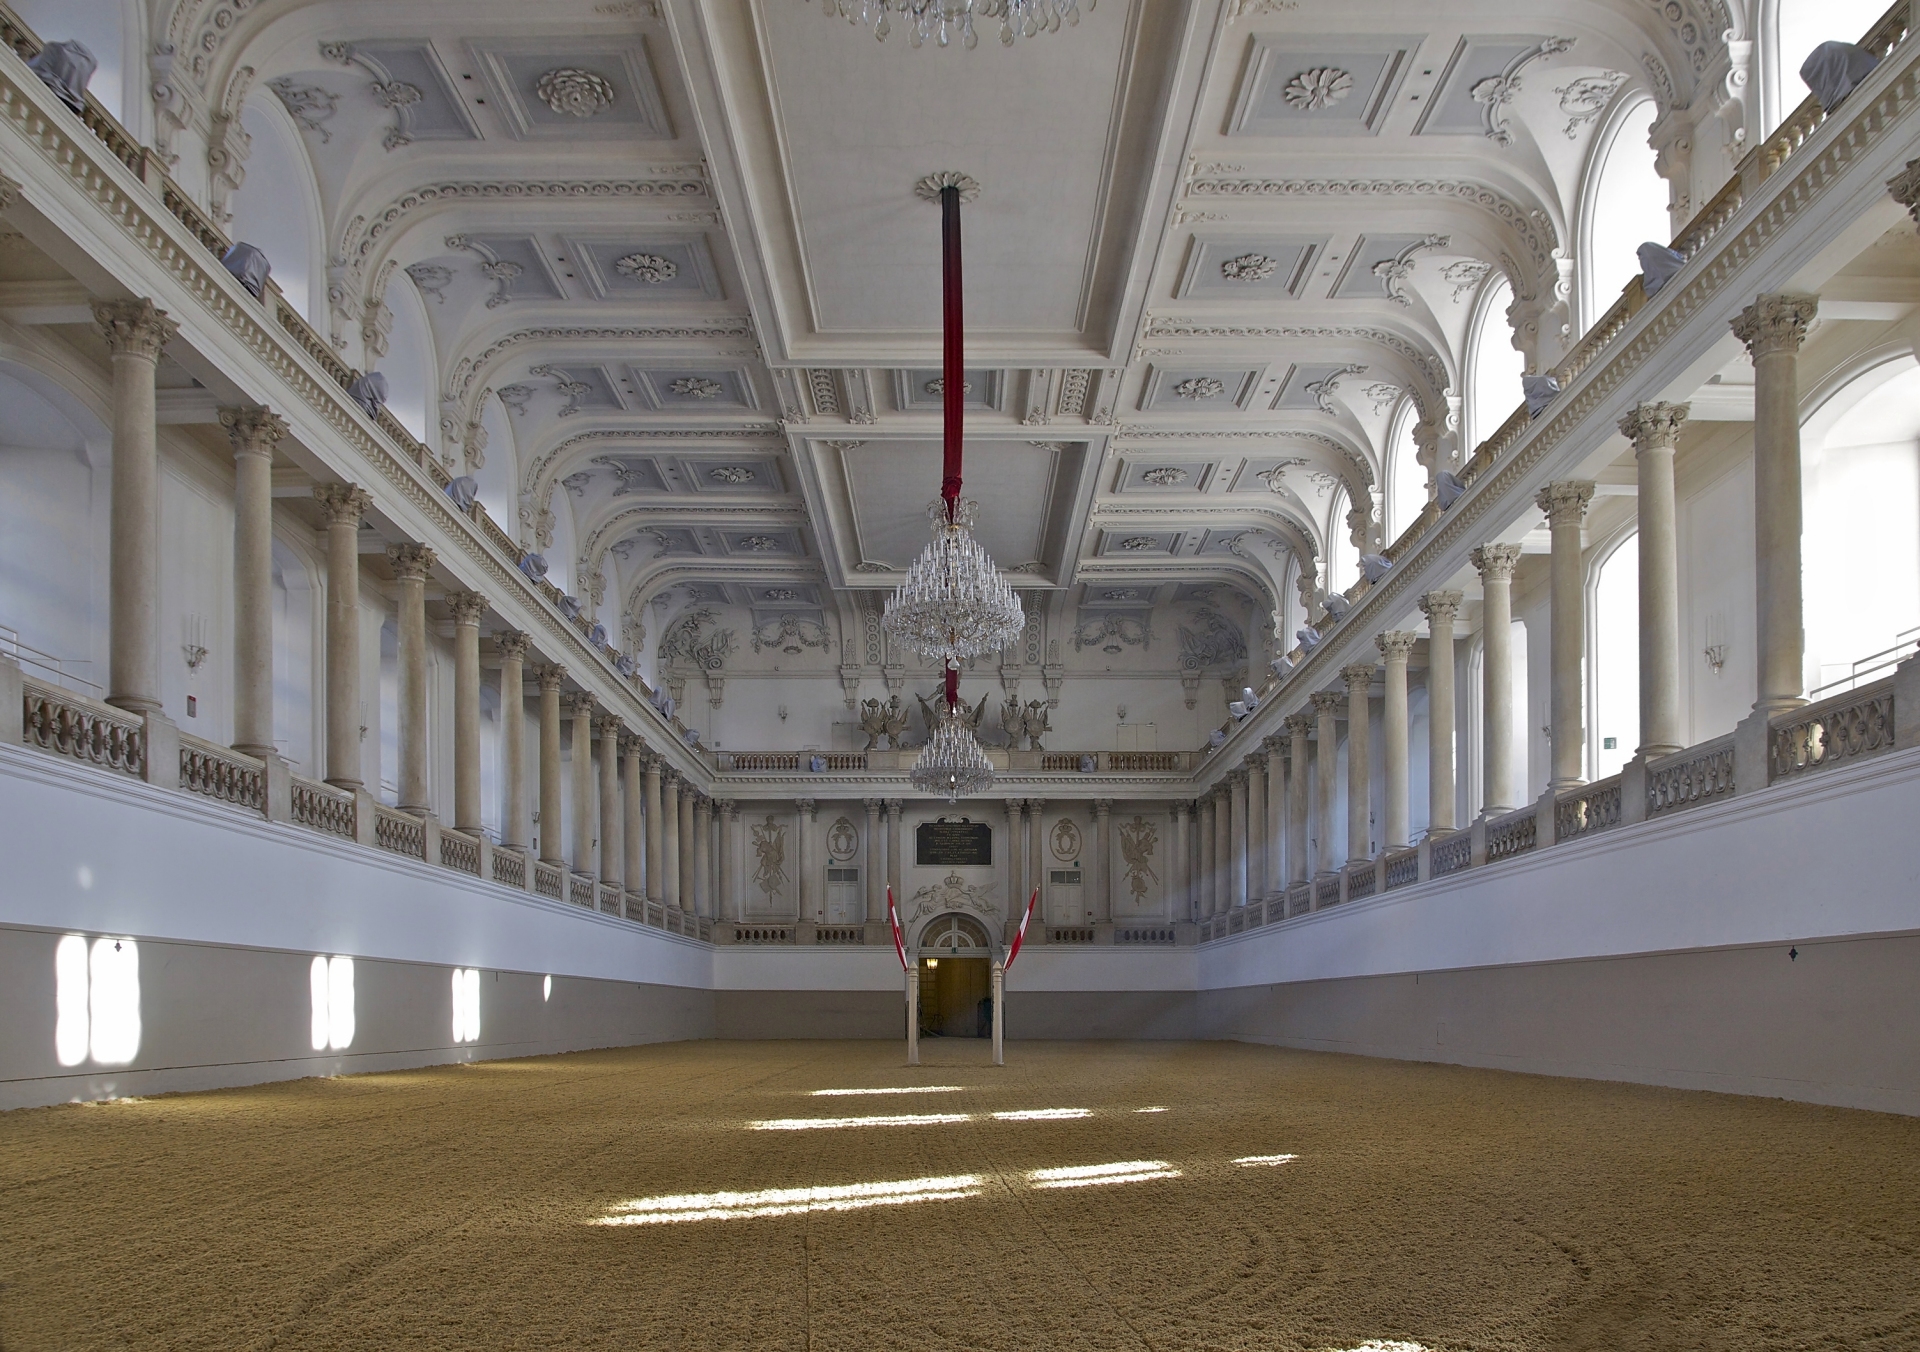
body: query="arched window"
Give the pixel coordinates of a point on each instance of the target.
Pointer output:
(1798, 27)
(110, 29)
(277, 207)
(1860, 538)
(1614, 671)
(409, 364)
(1625, 206)
(500, 470)
(1343, 560)
(1406, 478)
(1494, 365)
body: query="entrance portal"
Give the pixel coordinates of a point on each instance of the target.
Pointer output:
(955, 985)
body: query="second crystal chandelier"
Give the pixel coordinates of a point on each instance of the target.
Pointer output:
(954, 603)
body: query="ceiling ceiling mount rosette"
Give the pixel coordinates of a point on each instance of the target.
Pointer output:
(944, 21)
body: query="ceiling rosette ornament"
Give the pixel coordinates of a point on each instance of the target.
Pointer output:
(1200, 387)
(1248, 267)
(1322, 87)
(1164, 476)
(574, 92)
(695, 387)
(646, 267)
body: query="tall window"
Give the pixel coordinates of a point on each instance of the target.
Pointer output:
(1406, 486)
(1343, 560)
(1626, 207)
(1799, 26)
(277, 208)
(1615, 689)
(1494, 365)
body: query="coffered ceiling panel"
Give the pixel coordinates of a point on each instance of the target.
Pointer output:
(1319, 85)
(636, 267)
(1201, 389)
(1249, 267)
(573, 89)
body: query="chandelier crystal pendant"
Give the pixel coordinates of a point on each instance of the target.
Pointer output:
(954, 604)
(946, 20)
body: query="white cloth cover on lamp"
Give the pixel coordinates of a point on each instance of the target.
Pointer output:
(1658, 263)
(248, 262)
(369, 390)
(65, 67)
(1540, 391)
(464, 490)
(1834, 70)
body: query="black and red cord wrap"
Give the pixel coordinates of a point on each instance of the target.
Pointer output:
(952, 374)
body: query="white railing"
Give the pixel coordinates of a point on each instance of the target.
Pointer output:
(840, 934)
(1814, 736)
(1696, 775)
(212, 770)
(67, 724)
(548, 880)
(510, 868)
(459, 851)
(1589, 808)
(399, 833)
(1513, 834)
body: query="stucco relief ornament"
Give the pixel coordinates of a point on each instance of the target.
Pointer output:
(1200, 387)
(842, 839)
(938, 386)
(1065, 840)
(574, 92)
(731, 474)
(646, 267)
(944, 21)
(759, 544)
(1164, 476)
(695, 387)
(1139, 544)
(1321, 87)
(1248, 267)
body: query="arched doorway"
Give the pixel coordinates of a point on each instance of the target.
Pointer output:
(955, 990)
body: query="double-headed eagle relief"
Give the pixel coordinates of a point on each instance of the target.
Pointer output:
(887, 720)
(1030, 722)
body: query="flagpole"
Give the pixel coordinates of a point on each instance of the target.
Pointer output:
(913, 1016)
(999, 1013)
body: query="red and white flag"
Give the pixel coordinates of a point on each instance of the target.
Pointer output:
(893, 919)
(1020, 935)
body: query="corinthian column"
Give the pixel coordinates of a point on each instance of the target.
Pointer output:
(253, 433)
(670, 841)
(1326, 758)
(1016, 844)
(1203, 856)
(703, 856)
(1222, 848)
(876, 903)
(683, 861)
(512, 646)
(1180, 852)
(634, 825)
(1297, 726)
(1102, 862)
(411, 564)
(1773, 327)
(467, 608)
(343, 505)
(1394, 646)
(1236, 838)
(580, 707)
(1566, 507)
(549, 677)
(896, 851)
(730, 908)
(1496, 564)
(1653, 429)
(136, 334)
(811, 907)
(612, 847)
(1276, 827)
(1359, 679)
(1440, 608)
(656, 874)
(1256, 767)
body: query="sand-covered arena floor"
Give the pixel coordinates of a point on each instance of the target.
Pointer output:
(1089, 1195)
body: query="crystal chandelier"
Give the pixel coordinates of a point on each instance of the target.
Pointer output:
(944, 20)
(954, 603)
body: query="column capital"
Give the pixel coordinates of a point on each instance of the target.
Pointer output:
(1102, 806)
(467, 606)
(1775, 323)
(1395, 644)
(512, 644)
(669, 777)
(1904, 188)
(1035, 804)
(1654, 426)
(1358, 677)
(253, 431)
(578, 704)
(607, 724)
(1440, 607)
(411, 562)
(806, 805)
(634, 745)
(724, 806)
(342, 504)
(1565, 503)
(1181, 807)
(549, 675)
(134, 328)
(1327, 701)
(873, 805)
(1273, 744)
(1255, 762)
(1297, 725)
(894, 805)
(1495, 562)
(701, 804)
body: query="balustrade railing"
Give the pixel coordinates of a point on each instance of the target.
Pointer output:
(67, 724)
(1513, 834)
(580, 890)
(1452, 853)
(510, 868)
(549, 880)
(1069, 934)
(1361, 879)
(610, 894)
(1326, 891)
(840, 934)
(1846, 727)
(399, 832)
(1146, 934)
(1299, 899)
(1146, 762)
(1403, 869)
(756, 934)
(1696, 775)
(216, 772)
(1589, 808)
(321, 808)
(460, 851)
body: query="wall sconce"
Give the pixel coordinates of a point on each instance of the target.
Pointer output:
(193, 640)
(783, 713)
(1716, 657)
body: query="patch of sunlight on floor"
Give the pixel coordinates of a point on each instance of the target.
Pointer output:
(1256, 1161)
(1093, 1175)
(724, 1206)
(890, 1120)
(1042, 1114)
(899, 1089)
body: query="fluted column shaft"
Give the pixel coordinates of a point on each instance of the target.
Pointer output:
(467, 608)
(253, 433)
(137, 333)
(656, 868)
(1326, 761)
(896, 850)
(1035, 872)
(342, 505)
(1359, 679)
(1102, 860)
(411, 564)
(876, 899)
(512, 646)
(1773, 328)
(613, 861)
(1654, 429)
(1394, 647)
(730, 907)
(552, 850)
(1203, 855)
(683, 846)
(1566, 507)
(1237, 839)
(669, 841)
(580, 707)
(812, 906)
(703, 857)
(1440, 608)
(1496, 563)
(633, 872)
(1297, 726)
(1274, 862)
(1256, 827)
(1180, 878)
(1223, 849)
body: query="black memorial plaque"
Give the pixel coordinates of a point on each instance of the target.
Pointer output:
(949, 843)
